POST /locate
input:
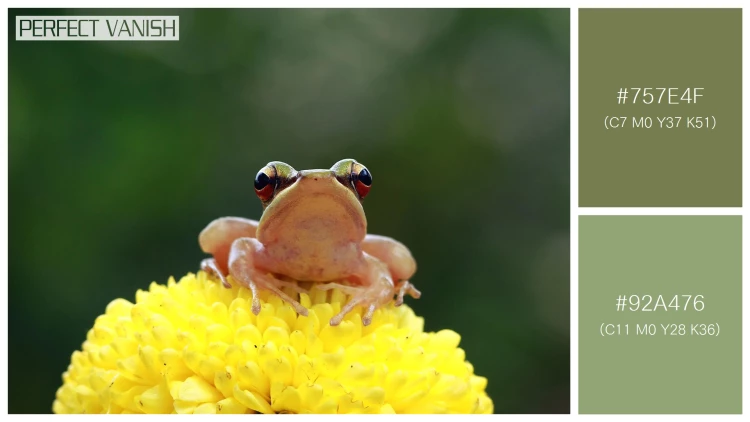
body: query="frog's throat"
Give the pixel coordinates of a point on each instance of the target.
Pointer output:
(319, 208)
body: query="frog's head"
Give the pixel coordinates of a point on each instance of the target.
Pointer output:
(276, 177)
(314, 198)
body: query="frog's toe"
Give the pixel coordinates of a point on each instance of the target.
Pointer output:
(210, 266)
(406, 287)
(368, 298)
(293, 303)
(367, 318)
(298, 307)
(336, 320)
(272, 286)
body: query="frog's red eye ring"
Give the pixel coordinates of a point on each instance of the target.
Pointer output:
(363, 182)
(264, 185)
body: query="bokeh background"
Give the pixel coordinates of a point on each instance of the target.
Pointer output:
(121, 152)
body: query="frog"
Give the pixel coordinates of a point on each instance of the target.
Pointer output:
(312, 231)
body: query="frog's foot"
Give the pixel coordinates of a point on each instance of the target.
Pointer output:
(359, 295)
(242, 268)
(404, 288)
(365, 297)
(209, 265)
(369, 297)
(271, 284)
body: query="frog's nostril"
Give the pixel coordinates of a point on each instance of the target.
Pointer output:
(316, 179)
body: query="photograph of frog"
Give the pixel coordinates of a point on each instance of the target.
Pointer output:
(293, 211)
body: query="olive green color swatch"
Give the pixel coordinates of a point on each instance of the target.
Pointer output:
(639, 354)
(653, 153)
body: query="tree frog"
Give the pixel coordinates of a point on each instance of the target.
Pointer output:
(313, 229)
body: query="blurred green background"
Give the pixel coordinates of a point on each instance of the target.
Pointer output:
(121, 152)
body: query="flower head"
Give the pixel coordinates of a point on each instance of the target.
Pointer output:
(194, 347)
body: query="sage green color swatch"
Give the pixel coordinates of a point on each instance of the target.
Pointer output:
(682, 166)
(633, 371)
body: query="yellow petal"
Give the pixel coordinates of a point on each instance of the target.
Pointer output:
(287, 401)
(196, 389)
(252, 400)
(230, 405)
(205, 408)
(193, 346)
(155, 400)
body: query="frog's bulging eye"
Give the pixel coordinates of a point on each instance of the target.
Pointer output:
(354, 176)
(265, 184)
(261, 181)
(365, 177)
(363, 182)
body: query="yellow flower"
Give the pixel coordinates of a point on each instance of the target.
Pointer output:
(194, 347)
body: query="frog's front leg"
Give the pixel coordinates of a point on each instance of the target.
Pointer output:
(210, 265)
(217, 239)
(245, 255)
(374, 288)
(405, 287)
